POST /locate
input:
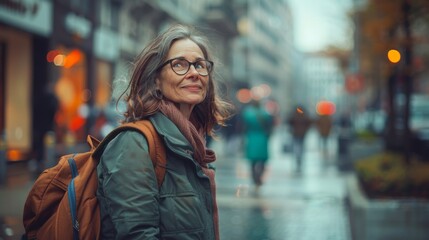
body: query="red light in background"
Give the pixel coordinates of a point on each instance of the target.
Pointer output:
(325, 108)
(354, 83)
(51, 55)
(272, 107)
(244, 95)
(64, 60)
(76, 123)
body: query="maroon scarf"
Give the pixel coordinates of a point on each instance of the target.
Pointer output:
(201, 154)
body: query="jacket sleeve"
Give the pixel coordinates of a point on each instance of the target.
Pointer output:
(130, 188)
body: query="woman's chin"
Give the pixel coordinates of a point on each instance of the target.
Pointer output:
(193, 100)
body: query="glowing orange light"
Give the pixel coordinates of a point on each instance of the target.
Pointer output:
(14, 155)
(325, 108)
(244, 95)
(394, 55)
(72, 58)
(299, 110)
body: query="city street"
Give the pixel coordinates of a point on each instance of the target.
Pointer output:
(349, 80)
(309, 205)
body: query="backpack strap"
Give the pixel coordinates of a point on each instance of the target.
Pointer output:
(92, 142)
(156, 147)
(157, 150)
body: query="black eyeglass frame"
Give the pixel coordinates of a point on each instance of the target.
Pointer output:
(170, 61)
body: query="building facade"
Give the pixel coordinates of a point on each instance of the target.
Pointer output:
(263, 54)
(25, 30)
(79, 50)
(82, 51)
(321, 79)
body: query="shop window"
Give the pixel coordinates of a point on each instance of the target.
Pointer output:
(72, 92)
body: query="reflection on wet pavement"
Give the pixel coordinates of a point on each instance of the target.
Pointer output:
(294, 206)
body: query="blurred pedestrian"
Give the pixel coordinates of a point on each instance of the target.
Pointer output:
(232, 134)
(45, 109)
(172, 85)
(345, 132)
(299, 123)
(324, 126)
(105, 119)
(258, 124)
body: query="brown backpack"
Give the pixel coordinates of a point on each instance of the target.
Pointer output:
(60, 206)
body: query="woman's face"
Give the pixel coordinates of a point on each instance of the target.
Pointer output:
(185, 90)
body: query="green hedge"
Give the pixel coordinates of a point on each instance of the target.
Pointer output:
(386, 175)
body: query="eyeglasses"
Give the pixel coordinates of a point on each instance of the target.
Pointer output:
(181, 66)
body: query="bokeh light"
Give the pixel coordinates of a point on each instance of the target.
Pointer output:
(243, 95)
(325, 108)
(59, 60)
(394, 55)
(50, 56)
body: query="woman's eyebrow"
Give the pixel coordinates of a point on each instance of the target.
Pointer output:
(195, 59)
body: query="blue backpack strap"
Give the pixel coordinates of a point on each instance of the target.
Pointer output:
(72, 197)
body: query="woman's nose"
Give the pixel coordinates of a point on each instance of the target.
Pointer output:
(193, 70)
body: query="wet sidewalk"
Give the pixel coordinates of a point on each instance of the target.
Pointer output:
(12, 198)
(309, 205)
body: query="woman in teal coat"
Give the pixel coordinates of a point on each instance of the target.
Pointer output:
(258, 124)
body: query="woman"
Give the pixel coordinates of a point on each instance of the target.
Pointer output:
(258, 125)
(172, 85)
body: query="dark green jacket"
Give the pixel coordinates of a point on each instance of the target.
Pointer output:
(132, 206)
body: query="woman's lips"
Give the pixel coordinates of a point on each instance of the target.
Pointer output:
(193, 88)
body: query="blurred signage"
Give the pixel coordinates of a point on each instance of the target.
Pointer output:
(31, 15)
(354, 83)
(106, 44)
(78, 25)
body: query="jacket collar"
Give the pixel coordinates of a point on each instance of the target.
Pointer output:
(171, 135)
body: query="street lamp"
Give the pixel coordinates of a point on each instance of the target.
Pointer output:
(394, 56)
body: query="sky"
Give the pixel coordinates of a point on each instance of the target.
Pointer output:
(319, 23)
